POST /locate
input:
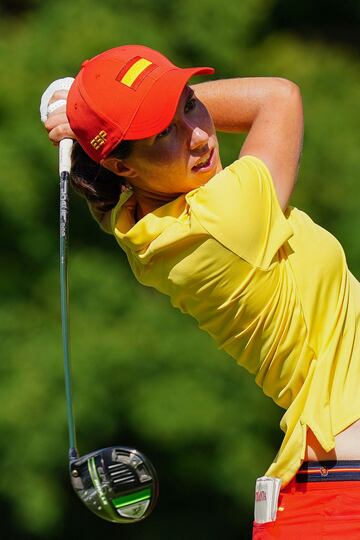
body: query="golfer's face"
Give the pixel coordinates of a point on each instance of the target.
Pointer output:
(183, 156)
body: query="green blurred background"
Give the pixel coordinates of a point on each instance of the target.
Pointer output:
(144, 374)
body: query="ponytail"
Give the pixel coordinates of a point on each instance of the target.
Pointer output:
(99, 186)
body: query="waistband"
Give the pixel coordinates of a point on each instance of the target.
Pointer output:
(328, 471)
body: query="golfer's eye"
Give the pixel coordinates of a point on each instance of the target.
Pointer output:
(164, 133)
(190, 104)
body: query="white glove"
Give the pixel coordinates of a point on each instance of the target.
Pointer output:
(66, 144)
(59, 84)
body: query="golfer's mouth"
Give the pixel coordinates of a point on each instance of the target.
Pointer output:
(206, 163)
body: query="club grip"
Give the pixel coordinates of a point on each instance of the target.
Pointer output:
(65, 147)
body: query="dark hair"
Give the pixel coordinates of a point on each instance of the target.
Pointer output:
(99, 186)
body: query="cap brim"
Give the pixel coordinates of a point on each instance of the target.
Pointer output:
(159, 106)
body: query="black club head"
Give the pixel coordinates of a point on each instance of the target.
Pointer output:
(118, 484)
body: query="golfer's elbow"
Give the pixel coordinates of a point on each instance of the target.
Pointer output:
(287, 89)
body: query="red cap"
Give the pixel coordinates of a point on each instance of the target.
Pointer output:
(126, 93)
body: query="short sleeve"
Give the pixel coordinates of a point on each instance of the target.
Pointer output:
(239, 208)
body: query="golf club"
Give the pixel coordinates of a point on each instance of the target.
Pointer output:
(117, 483)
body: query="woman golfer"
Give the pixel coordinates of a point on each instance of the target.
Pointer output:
(268, 284)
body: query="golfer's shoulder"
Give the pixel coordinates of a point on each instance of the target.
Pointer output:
(102, 217)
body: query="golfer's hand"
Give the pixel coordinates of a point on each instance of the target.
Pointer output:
(57, 124)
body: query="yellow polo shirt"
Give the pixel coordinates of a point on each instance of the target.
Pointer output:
(272, 289)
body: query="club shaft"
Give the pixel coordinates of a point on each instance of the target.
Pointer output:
(64, 295)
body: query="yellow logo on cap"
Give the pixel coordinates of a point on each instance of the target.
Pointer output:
(134, 71)
(99, 140)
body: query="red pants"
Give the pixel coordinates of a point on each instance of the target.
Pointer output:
(315, 511)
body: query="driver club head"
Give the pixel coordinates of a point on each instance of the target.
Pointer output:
(118, 484)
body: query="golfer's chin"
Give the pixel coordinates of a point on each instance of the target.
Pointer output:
(202, 173)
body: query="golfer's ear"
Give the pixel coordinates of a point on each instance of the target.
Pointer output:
(117, 166)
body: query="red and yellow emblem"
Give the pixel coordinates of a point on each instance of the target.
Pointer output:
(135, 71)
(99, 140)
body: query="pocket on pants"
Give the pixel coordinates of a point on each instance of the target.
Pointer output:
(299, 530)
(264, 531)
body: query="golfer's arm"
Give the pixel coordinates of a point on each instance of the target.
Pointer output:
(270, 110)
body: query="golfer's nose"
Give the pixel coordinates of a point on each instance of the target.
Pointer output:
(199, 138)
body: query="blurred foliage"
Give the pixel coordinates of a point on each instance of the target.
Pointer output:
(143, 374)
